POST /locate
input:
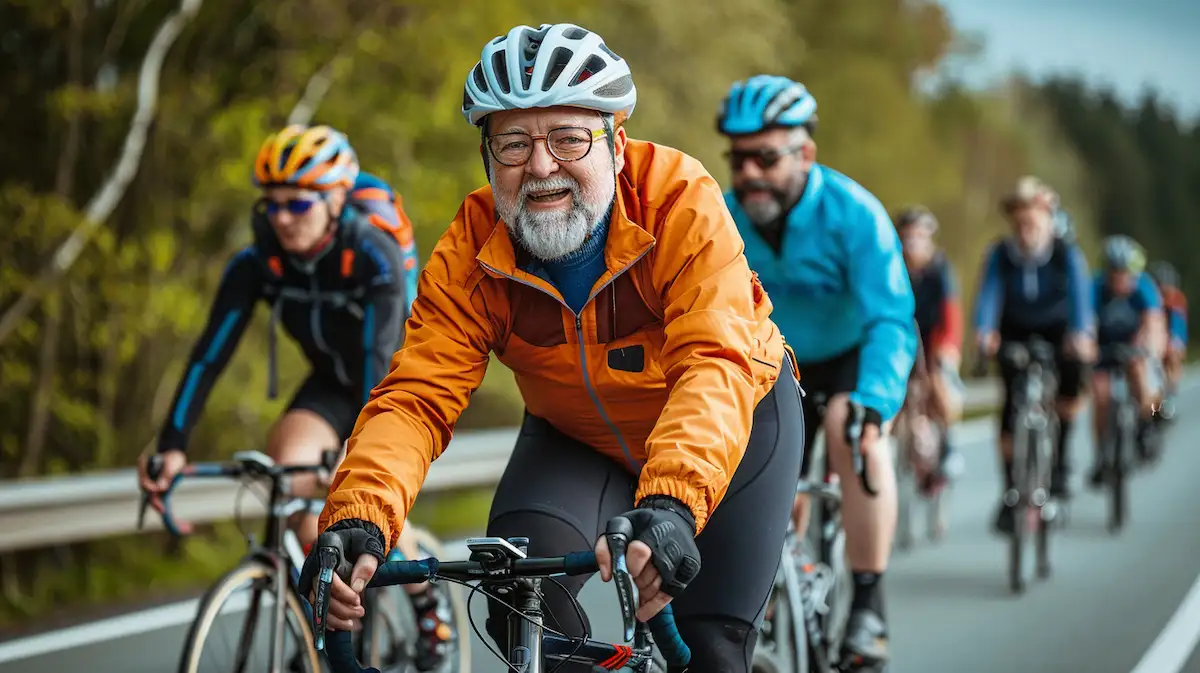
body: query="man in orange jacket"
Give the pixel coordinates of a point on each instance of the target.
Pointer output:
(607, 273)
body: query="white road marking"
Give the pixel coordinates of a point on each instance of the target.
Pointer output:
(1171, 650)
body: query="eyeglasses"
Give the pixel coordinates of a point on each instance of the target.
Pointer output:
(293, 206)
(764, 159)
(567, 143)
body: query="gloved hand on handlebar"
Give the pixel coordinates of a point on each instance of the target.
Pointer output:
(662, 555)
(362, 547)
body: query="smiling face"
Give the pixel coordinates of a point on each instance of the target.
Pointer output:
(551, 204)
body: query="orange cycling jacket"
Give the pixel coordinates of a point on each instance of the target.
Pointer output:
(661, 370)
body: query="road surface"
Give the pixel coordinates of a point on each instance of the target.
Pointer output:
(949, 604)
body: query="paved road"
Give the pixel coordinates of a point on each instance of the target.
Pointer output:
(949, 604)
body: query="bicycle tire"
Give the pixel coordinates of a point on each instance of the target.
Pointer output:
(906, 491)
(459, 661)
(1045, 452)
(220, 592)
(1117, 500)
(1022, 471)
(779, 655)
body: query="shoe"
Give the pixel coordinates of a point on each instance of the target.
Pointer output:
(1098, 476)
(1060, 484)
(1005, 519)
(434, 634)
(866, 641)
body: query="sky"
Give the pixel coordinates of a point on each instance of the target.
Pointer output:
(1122, 43)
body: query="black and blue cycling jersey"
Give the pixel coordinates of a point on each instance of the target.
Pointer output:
(345, 308)
(1119, 317)
(1046, 294)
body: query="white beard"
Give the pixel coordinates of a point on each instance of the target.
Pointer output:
(552, 235)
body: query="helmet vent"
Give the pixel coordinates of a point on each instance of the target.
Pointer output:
(558, 61)
(501, 72)
(480, 80)
(594, 65)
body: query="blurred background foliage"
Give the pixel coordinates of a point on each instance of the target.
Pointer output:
(88, 373)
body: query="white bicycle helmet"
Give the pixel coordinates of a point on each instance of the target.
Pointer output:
(560, 64)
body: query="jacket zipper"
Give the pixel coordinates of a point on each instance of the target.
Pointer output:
(319, 338)
(587, 381)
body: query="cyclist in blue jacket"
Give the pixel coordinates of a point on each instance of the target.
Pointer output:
(1129, 311)
(830, 259)
(1036, 284)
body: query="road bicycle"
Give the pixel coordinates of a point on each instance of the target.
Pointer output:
(1035, 429)
(502, 567)
(810, 601)
(1120, 432)
(284, 640)
(917, 454)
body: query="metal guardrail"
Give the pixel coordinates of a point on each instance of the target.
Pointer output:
(56, 510)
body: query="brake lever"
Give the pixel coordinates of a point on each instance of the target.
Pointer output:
(154, 466)
(329, 558)
(617, 533)
(856, 415)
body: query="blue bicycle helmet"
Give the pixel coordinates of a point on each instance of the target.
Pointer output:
(1122, 253)
(763, 102)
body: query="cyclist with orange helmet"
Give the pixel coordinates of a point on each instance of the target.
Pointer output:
(333, 257)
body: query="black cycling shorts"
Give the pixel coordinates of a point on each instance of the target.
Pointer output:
(827, 378)
(1071, 372)
(560, 493)
(333, 402)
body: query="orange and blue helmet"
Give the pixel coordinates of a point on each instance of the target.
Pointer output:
(317, 157)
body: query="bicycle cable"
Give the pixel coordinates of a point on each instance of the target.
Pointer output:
(478, 588)
(247, 485)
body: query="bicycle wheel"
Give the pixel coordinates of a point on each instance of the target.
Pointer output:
(458, 656)
(1023, 471)
(778, 649)
(1043, 510)
(906, 484)
(251, 621)
(1116, 478)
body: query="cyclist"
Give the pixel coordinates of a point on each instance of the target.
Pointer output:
(1175, 303)
(326, 260)
(1129, 310)
(939, 323)
(606, 273)
(829, 256)
(1036, 284)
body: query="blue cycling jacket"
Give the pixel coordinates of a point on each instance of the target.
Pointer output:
(1177, 326)
(840, 283)
(1119, 318)
(1041, 294)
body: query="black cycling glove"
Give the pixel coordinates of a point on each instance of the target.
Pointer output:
(667, 527)
(353, 537)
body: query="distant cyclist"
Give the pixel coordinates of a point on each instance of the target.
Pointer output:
(829, 256)
(940, 324)
(1175, 303)
(606, 273)
(1129, 310)
(333, 258)
(1035, 284)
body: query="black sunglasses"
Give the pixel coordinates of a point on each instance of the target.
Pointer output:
(764, 159)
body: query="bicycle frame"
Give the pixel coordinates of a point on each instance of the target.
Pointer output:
(530, 646)
(807, 591)
(281, 550)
